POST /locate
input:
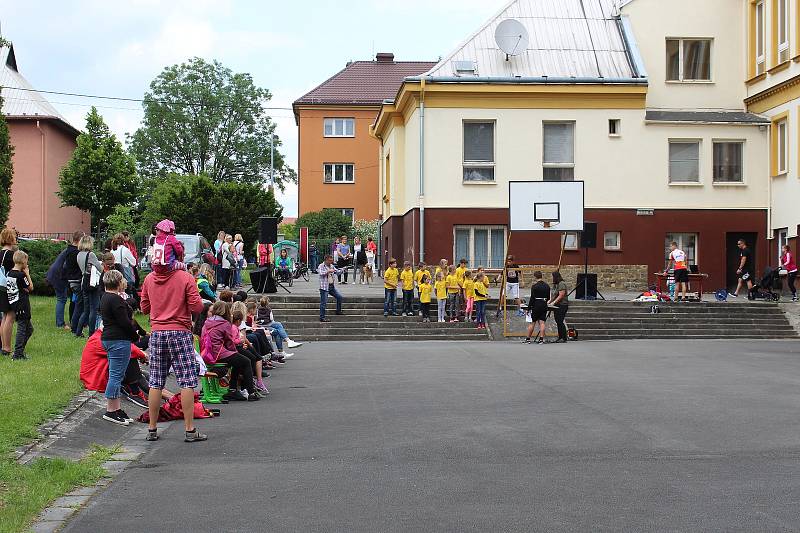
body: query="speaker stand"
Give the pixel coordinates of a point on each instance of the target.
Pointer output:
(585, 275)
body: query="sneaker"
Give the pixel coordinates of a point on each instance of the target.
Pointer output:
(253, 397)
(733, 295)
(324, 320)
(385, 314)
(292, 344)
(285, 355)
(139, 399)
(124, 415)
(235, 396)
(526, 341)
(260, 386)
(520, 313)
(115, 418)
(245, 393)
(794, 298)
(194, 436)
(21, 357)
(152, 435)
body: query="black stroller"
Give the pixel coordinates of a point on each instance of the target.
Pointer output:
(765, 288)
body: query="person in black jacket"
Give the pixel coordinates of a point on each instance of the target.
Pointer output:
(537, 307)
(71, 273)
(119, 331)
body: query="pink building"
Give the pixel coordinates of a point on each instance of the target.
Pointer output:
(43, 142)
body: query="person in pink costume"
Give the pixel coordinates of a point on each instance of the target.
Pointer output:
(167, 249)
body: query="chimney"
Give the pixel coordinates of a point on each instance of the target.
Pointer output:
(384, 57)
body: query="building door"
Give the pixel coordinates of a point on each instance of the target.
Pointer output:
(732, 255)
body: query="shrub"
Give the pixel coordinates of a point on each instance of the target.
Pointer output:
(41, 255)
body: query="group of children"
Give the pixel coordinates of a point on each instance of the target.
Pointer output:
(457, 290)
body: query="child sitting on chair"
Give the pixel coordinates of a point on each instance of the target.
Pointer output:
(167, 249)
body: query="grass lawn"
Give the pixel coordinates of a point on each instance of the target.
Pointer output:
(31, 392)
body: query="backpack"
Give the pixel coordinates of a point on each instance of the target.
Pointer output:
(3, 273)
(205, 347)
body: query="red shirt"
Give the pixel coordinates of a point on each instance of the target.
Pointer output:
(372, 247)
(170, 299)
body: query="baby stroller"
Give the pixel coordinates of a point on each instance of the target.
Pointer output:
(301, 271)
(764, 289)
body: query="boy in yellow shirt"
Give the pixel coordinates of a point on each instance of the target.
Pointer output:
(460, 271)
(425, 290)
(407, 278)
(441, 295)
(481, 289)
(390, 279)
(469, 295)
(453, 291)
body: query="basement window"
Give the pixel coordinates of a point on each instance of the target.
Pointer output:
(614, 127)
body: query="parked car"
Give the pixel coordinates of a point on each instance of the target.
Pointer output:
(196, 249)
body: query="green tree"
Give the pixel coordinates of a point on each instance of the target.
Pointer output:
(198, 205)
(289, 231)
(6, 169)
(366, 229)
(325, 224)
(124, 217)
(100, 175)
(200, 118)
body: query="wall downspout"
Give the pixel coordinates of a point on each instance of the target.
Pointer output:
(422, 171)
(44, 181)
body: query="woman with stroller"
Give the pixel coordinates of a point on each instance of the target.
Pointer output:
(789, 264)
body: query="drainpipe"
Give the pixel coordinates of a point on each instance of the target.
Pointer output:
(44, 183)
(422, 171)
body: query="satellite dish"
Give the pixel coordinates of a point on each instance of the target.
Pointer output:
(512, 37)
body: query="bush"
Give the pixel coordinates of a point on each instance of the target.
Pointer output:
(41, 255)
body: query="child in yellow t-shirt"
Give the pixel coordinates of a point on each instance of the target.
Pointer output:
(443, 268)
(425, 290)
(460, 271)
(407, 278)
(390, 278)
(441, 295)
(469, 295)
(453, 292)
(481, 288)
(421, 270)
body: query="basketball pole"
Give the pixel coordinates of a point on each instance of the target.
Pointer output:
(563, 245)
(503, 299)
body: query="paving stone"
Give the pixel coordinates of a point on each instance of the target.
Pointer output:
(57, 513)
(46, 527)
(127, 456)
(83, 491)
(71, 501)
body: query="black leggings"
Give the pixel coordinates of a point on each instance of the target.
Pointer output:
(251, 355)
(134, 377)
(258, 338)
(240, 368)
(792, 277)
(560, 314)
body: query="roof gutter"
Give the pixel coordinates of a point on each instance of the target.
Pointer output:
(524, 80)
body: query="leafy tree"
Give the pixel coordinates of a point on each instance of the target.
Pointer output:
(289, 232)
(123, 218)
(366, 229)
(325, 224)
(100, 175)
(198, 205)
(6, 169)
(200, 118)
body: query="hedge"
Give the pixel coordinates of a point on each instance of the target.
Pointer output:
(41, 255)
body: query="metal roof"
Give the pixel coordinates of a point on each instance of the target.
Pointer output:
(706, 117)
(568, 38)
(20, 99)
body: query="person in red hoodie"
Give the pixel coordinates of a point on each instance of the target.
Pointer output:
(170, 299)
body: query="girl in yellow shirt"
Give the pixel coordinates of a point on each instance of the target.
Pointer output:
(453, 293)
(425, 290)
(481, 289)
(407, 279)
(441, 295)
(469, 295)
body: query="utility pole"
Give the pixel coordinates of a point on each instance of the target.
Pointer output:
(272, 161)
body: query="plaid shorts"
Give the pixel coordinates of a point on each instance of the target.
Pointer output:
(175, 349)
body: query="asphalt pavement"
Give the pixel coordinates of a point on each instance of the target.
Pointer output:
(603, 436)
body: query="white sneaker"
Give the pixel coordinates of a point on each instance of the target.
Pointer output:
(292, 344)
(285, 355)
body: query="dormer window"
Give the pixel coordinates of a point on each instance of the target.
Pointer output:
(465, 68)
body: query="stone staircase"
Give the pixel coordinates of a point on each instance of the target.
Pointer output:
(363, 321)
(601, 320)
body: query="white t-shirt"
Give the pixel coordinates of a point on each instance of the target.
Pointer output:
(679, 256)
(123, 256)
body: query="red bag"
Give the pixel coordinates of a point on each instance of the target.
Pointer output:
(172, 410)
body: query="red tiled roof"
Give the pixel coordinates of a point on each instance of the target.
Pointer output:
(365, 83)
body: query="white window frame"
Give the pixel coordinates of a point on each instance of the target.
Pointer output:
(761, 41)
(782, 239)
(571, 240)
(479, 164)
(681, 60)
(332, 122)
(783, 45)
(333, 180)
(680, 238)
(471, 255)
(563, 164)
(715, 142)
(783, 146)
(612, 248)
(699, 144)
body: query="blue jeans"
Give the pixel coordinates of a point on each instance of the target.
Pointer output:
(90, 301)
(313, 261)
(61, 304)
(323, 300)
(389, 301)
(481, 313)
(119, 355)
(77, 294)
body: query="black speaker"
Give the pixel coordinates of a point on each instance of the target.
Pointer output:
(589, 235)
(263, 281)
(268, 230)
(586, 288)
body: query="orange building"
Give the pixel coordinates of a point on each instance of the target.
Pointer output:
(43, 143)
(338, 160)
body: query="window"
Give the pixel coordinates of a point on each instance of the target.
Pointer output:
(340, 127)
(480, 245)
(684, 161)
(782, 147)
(478, 152)
(782, 240)
(760, 51)
(347, 211)
(612, 240)
(686, 242)
(339, 173)
(688, 60)
(559, 152)
(783, 30)
(728, 162)
(571, 240)
(614, 127)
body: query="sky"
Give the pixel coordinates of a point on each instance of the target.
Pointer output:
(116, 48)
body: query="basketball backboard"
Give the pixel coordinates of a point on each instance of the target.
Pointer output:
(546, 205)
